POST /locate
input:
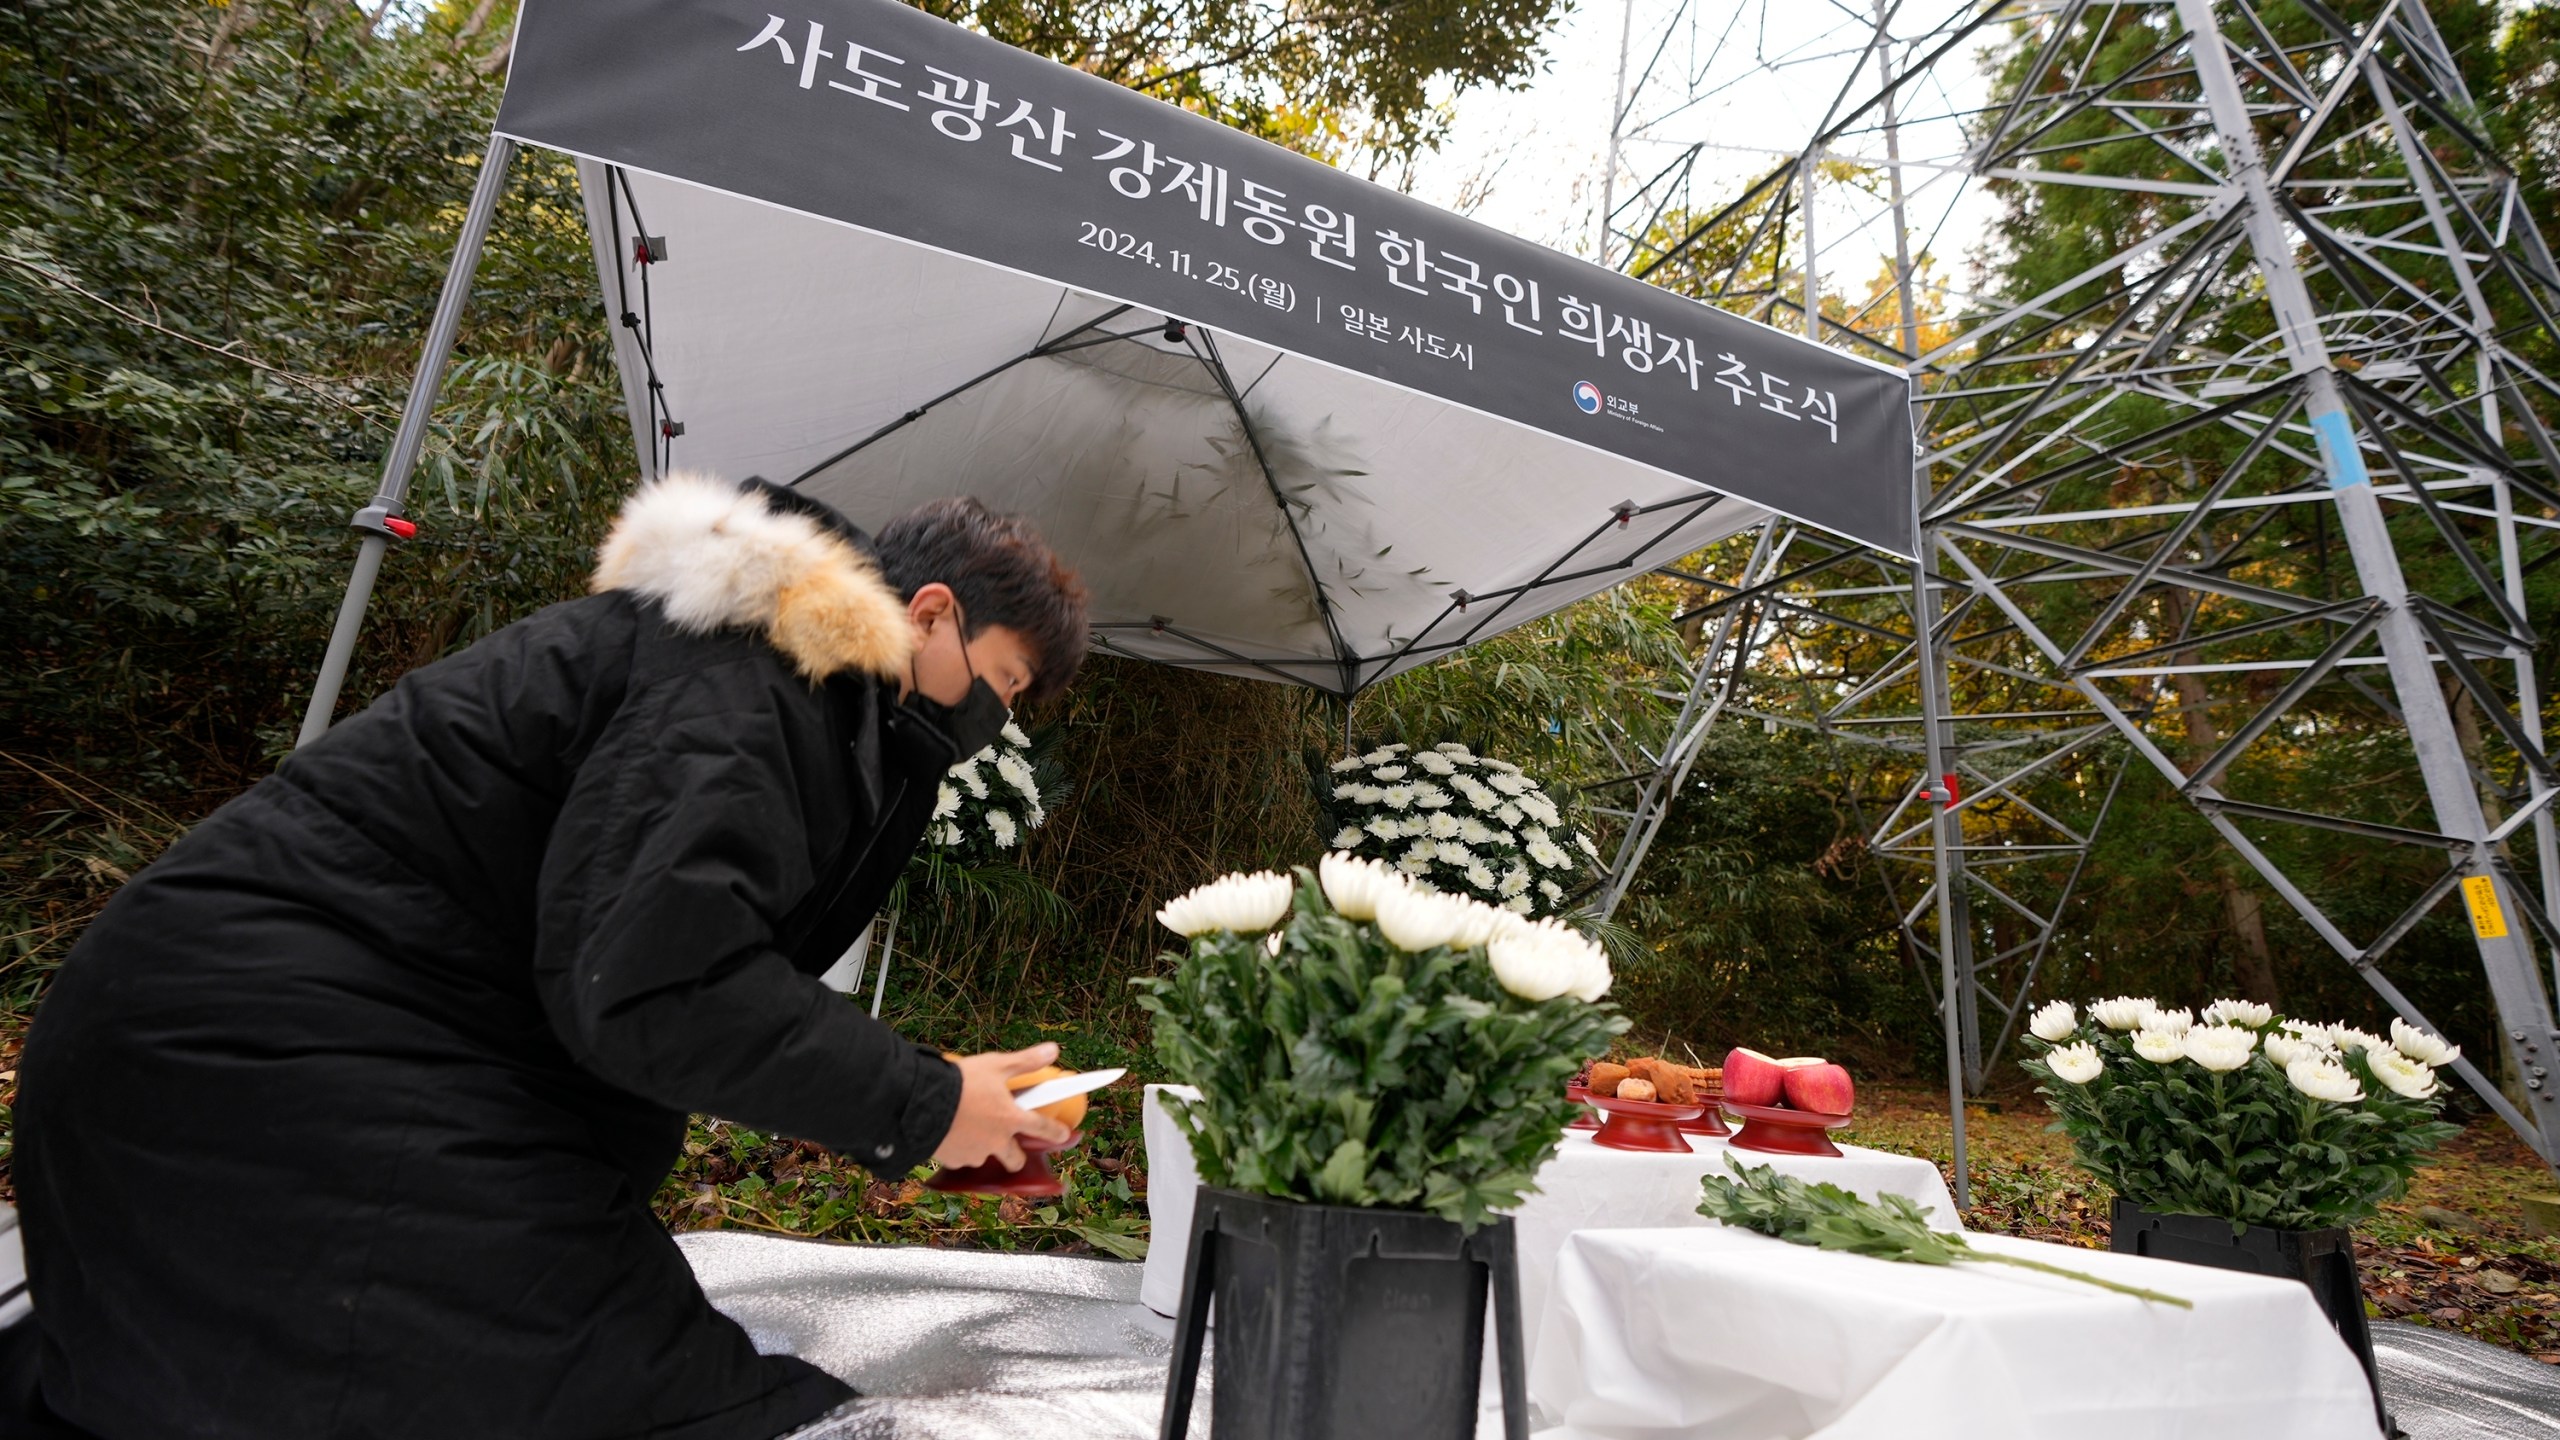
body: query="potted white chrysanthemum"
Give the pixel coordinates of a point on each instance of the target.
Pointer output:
(987, 804)
(1381, 1068)
(1461, 823)
(2241, 1139)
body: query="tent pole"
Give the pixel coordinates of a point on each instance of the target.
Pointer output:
(379, 519)
(1945, 827)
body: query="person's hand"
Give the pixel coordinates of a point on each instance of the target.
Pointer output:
(988, 1123)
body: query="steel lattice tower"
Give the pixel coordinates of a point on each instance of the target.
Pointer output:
(2277, 459)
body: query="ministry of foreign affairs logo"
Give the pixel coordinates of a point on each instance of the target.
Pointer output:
(1586, 397)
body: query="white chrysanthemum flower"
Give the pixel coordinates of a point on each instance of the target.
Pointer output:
(1392, 772)
(1442, 826)
(1414, 865)
(1586, 845)
(1531, 835)
(1517, 904)
(1380, 756)
(1237, 903)
(1452, 747)
(1541, 959)
(1508, 814)
(2400, 1074)
(1546, 853)
(1435, 762)
(2218, 1048)
(1347, 838)
(2347, 1037)
(2078, 1064)
(1475, 791)
(2176, 1022)
(1018, 774)
(1474, 831)
(966, 772)
(1515, 880)
(2158, 1046)
(1505, 766)
(947, 834)
(1346, 764)
(1509, 782)
(2054, 1023)
(1382, 827)
(946, 801)
(1453, 853)
(1553, 891)
(1479, 876)
(1001, 826)
(2284, 1049)
(2420, 1046)
(2322, 1078)
(1397, 797)
(1353, 885)
(2124, 1012)
(1540, 809)
(1416, 919)
(2238, 1012)
(1013, 735)
(1429, 796)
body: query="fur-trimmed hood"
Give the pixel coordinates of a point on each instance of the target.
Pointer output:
(717, 556)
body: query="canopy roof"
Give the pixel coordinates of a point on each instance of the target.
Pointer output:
(1289, 424)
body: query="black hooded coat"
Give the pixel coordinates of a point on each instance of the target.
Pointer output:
(344, 1118)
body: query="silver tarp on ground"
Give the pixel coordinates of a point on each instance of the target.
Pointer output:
(974, 1345)
(2442, 1386)
(952, 1344)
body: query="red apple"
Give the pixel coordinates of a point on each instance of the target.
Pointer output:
(1751, 1078)
(1820, 1087)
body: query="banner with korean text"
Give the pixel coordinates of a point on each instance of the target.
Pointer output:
(876, 115)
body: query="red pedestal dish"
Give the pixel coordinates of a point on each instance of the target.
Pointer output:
(1581, 1117)
(1034, 1179)
(1710, 1121)
(1775, 1131)
(1642, 1124)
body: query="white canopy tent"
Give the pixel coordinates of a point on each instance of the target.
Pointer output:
(1288, 424)
(1232, 506)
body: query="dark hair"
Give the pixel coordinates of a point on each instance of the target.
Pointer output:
(1004, 574)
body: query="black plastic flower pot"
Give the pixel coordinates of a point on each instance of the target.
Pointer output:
(1342, 1323)
(2325, 1260)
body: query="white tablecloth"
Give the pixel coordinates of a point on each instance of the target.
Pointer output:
(1584, 1187)
(1654, 1334)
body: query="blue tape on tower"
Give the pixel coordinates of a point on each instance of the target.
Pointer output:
(2338, 439)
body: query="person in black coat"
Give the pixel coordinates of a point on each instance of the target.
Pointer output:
(344, 1118)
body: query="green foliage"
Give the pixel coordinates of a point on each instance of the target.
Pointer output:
(2242, 1145)
(1344, 1071)
(1890, 1227)
(1301, 75)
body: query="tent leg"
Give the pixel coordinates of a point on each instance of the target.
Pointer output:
(1946, 832)
(376, 517)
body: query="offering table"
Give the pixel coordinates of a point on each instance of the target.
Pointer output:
(1713, 1331)
(1585, 1187)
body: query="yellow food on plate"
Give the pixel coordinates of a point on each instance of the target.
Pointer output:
(1634, 1089)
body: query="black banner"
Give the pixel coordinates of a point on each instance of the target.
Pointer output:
(880, 116)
